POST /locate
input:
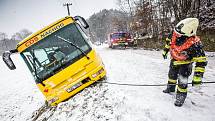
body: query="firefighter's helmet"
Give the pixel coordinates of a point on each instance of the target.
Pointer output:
(187, 27)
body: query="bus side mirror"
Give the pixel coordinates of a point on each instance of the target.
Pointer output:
(8, 61)
(82, 21)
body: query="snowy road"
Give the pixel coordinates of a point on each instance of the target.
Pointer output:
(20, 97)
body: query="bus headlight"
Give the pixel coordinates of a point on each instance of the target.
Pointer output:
(97, 73)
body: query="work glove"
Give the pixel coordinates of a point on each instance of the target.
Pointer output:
(164, 54)
(197, 80)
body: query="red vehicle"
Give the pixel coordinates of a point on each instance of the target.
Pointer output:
(122, 39)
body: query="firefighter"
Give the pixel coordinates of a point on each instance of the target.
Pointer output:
(135, 40)
(185, 49)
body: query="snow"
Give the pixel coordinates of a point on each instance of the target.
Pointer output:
(19, 94)
(99, 102)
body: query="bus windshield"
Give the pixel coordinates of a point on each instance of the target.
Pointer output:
(119, 35)
(51, 54)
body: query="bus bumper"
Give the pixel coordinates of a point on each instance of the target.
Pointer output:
(78, 85)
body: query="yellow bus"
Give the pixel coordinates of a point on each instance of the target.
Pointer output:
(60, 58)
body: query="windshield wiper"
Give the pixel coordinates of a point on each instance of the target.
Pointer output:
(35, 69)
(72, 44)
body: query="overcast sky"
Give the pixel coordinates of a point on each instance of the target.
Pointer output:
(35, 14)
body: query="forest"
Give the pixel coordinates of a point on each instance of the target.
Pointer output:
(148, 20)
(154, 19)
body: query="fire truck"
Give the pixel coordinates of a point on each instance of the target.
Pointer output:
(119, 39)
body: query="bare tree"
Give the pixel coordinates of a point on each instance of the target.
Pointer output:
(106, 22)
(3, 41)
(19, 36)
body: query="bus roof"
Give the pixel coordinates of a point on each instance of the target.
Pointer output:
(44, 31)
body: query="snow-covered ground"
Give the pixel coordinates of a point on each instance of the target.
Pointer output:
(99, 102)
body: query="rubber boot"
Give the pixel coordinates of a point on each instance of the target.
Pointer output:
(180, 98)
(169, 89)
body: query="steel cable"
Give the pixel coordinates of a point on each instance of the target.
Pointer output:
(149, 85)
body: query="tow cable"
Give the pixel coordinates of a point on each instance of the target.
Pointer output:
(149, 85)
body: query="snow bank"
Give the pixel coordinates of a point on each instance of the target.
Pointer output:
(19, 94)
(99, 102)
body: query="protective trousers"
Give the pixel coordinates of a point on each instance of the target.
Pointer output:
(180, 73)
